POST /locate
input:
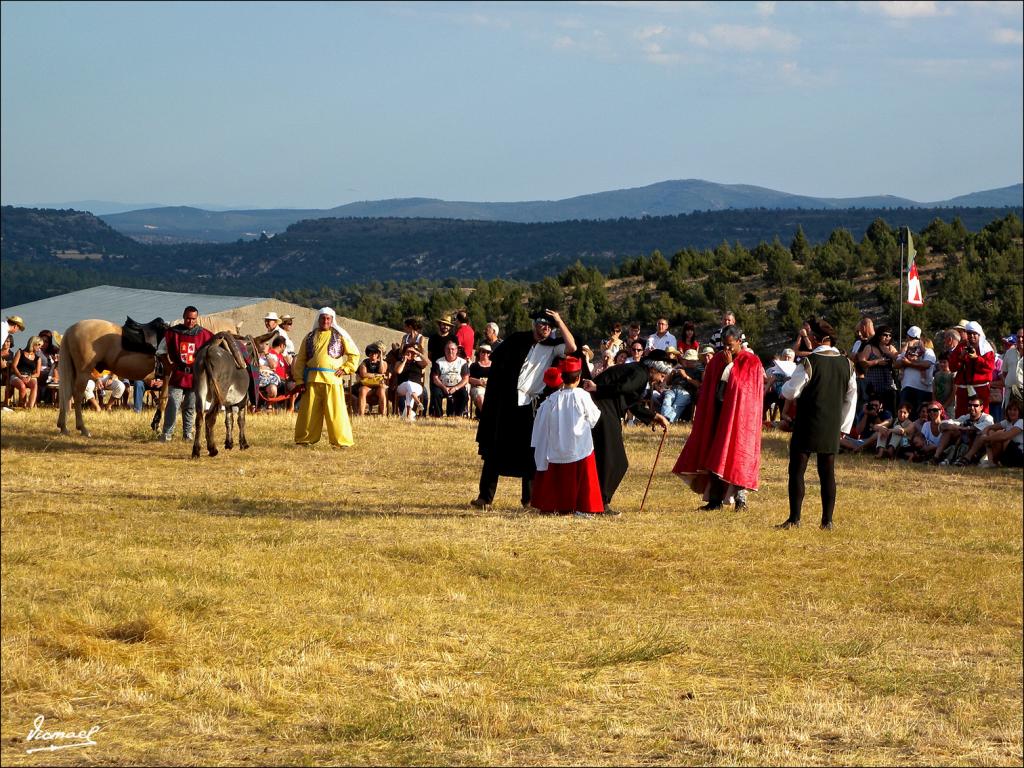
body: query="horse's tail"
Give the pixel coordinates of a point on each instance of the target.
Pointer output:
(211, 380)
(67, 376)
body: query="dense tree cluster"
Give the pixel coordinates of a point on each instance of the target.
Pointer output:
(771, 287)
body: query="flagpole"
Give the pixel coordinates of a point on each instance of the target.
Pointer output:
(900, 337)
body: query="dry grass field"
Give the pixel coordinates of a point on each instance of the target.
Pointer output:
(311, 607)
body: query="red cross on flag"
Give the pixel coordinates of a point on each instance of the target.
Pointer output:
(914, 294)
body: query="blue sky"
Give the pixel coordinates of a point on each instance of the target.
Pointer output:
(319, 104)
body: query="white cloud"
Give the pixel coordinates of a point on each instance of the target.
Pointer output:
(645, 33)
(908, 9)
(764, 7)
(752, 38)
(649, 5)
(1008, 37)
(564, 43)
(699, 39)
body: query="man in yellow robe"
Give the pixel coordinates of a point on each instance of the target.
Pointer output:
(326, 355)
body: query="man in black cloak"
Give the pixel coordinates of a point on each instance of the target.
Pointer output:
(514, 384)
(616, 390)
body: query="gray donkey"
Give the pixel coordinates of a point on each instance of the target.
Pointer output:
(222, 378)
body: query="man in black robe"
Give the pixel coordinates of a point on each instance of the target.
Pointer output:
(616, 390)
(515, 382)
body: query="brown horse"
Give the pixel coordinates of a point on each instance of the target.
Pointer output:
(88, 345)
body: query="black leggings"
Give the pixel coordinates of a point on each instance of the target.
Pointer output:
(826, 474)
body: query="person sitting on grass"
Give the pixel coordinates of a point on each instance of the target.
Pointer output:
(958, 435)
(566, 479)
(872, 419)
(894, 441)
(928, 436)
(1003, 443)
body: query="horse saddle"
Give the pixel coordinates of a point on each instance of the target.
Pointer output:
(144, 338)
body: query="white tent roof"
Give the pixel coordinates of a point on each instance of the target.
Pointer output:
(108, 302)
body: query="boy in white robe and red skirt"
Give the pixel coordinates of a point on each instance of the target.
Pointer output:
(566, 479)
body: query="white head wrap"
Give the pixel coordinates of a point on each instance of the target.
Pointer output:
(983, 346)
(325, 311)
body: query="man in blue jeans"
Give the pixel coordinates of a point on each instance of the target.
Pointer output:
(182, 342)
(683, 384)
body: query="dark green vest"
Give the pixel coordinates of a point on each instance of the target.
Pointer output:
(819, 409)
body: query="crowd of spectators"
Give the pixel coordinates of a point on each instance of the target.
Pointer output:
(949, 397)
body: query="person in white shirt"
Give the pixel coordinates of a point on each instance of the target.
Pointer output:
(963, 431)
(566, 478)
(1013, 367)
(515, 382)
(917, 362)
(1003, 443)
(661, 339)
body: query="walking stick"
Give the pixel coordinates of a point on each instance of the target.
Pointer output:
(664, 434)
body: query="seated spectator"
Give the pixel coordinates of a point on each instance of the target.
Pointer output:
(6, 361)
(281, 362)
(636, 352)
(917, 362)
(269, 378)
(688, 339)
(478, 371)
(894, 440)
(958, 435)
(927, 435)
(491, 337)
(100, 382)
(943, 387)
(25, 369)
(614, 342)
(633, 335)
(681, 387)
(621, 357)
(661, 338)
(373, 378)
(1004, 442)
(49, 356)
(802, 345)
(449, 383)
(873, 419)
(775, 377)
(605, 361)
(408, 372)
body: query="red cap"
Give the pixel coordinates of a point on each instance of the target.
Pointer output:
(552, 377)
(572, 365)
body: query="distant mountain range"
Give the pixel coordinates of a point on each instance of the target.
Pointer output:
(45, 252)
(668, 198)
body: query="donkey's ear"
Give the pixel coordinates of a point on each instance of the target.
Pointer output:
(265, 336)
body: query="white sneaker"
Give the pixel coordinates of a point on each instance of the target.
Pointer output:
(985, 462)
(8, 410)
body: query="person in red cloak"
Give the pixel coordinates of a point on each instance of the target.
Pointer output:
(722, 456)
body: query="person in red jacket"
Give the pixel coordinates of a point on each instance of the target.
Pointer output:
(181, 343)
(973, 362)
(464, 335)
